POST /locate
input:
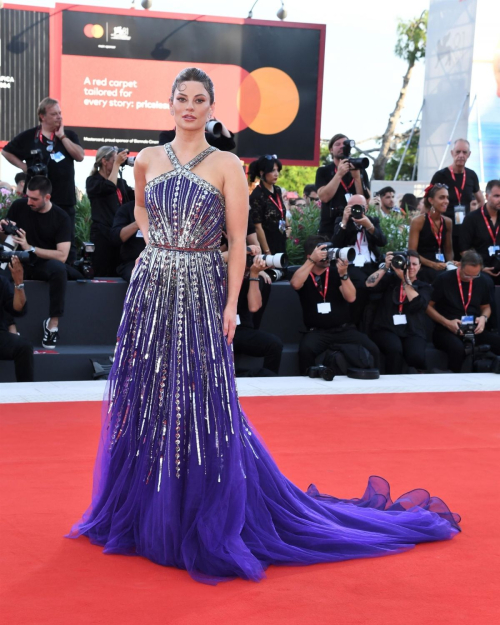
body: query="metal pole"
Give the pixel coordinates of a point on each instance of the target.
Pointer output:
(453, 131)
(408, 142)
(480, 142)
(415, 164)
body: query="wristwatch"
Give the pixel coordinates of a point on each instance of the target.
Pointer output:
(382, 267)
(20, 287)
(342, 225)
(345, 277)
(32, 249)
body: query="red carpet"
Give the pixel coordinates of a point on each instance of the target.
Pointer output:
(447, 443)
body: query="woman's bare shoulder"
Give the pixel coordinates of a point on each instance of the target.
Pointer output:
(147, 154)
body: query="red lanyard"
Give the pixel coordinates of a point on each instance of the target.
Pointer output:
(119, 194)
(278, 204)
(51, 140)
(462, 292)
(346, 187)
(438, 236)
(359, 239)
(402, 297)
(459, 193)
(321, 291)
(493, 236)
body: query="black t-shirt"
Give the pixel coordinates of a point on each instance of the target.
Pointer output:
(471, 186)
(310, 297)
(446, 295)
(246, 317)
(265, 210)
(106, 197)
(7, 303)
(61, 174)
(43, 230)
(389, 305)
(132, 247)
(335, 207)
(475, 235)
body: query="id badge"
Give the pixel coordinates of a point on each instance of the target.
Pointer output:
(282, 225)
(348, 196)
(57, 157)
(359, 261)
(459, 211)
(399, 320)
(139, 235)
(467, 319)
(238, 320)
(493, 249)
(440, 257)
(324, 308)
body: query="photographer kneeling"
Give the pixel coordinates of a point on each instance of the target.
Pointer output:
(107, 192)
(128, 237)
(43, 229)
(460, 302)
(12, 346)
(325, 292)
(399, 324)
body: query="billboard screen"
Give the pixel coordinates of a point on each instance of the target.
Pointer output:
(113, 74)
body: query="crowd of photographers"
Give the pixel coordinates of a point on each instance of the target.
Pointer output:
(362, 310)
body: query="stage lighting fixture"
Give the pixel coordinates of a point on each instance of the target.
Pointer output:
(146, 4)
(282, 13)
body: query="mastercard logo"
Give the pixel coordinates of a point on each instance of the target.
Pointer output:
(93, 31)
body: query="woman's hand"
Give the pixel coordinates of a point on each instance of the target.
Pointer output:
(229, 321)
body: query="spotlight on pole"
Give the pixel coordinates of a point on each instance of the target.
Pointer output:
(282, 13)
(146, 4)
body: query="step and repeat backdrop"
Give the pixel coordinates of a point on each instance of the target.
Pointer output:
(112, 72)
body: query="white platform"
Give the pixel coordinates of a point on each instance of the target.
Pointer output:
(258, 387)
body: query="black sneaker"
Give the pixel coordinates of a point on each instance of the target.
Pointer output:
(50, 337)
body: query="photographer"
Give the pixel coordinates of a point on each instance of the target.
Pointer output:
(481, 232)
(106, 192)
(52, 150)
(355, 228)
(461, 298)
(399, 324)
(248, 338)
(12, 346)
(128, 237)
(337, 182)
(325, 292)
(224, 142)
(43, 229)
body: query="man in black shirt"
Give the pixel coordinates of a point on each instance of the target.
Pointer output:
(45, 231)
(336, 183)
(59, 148)
(325, 292)
(126, 234)
(461, 296)
(481, 231)
(13, 302)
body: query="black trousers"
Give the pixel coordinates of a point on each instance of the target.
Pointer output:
(454, 345)
(398, 350)
(315, 342)
(54, 272)
(124, 270)
(106, 256)
(260, 344)
(20, 350)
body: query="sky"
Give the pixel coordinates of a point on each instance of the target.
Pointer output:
(362, 75)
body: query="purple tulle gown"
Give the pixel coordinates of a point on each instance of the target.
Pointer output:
(181, 476)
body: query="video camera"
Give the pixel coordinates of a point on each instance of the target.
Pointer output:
(356, 163)
(338, 253)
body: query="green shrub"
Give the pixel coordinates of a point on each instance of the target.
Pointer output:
(304, 222)
(395, 227)
(82, 221)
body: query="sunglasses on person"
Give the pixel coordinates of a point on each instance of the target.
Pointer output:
(271, 157)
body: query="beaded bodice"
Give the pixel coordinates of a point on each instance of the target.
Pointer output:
(184, 210)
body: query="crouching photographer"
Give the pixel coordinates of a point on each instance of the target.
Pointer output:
(460, 306)
(13, 303)
(127, 236)
(399, 323)
(325, 291)
(252, 301)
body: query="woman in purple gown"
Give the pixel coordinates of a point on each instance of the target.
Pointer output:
(181, 476)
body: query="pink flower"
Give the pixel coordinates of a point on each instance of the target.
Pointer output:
(296, 241)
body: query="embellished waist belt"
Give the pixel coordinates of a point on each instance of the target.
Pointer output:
(172, 248)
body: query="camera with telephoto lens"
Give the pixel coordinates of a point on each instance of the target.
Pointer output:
(338, 253)
(400, 260)
(130, 160)
(9, 245)
(275, 274)
(84, 265)
(36, 167)
(357, 211)
(273, 261)
(320, 371)
(356, 163)
(214, 128)
(7, 255)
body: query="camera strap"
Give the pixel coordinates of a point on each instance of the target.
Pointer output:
(402, 297)
(459, 193)
(437, 235)
(462, 291)
(346, 187)
(278, 204)
(323, 291)
(493, 233)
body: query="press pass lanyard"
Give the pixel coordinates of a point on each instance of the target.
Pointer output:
(324, 291)
(459, 193)
(462, 292)
(278, 204)
(50, 141)
(438, 235)
(360, 237)
(493, 234)
(346, 187)
(402, 297)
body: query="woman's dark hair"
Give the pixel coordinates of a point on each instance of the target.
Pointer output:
(193, 74)
(414, 254)
(430, 193)
(408, 202)
(265, 164)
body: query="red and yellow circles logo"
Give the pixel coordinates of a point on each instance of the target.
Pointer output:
(93, 31)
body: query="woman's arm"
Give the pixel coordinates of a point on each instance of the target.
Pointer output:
(235, 191)
(448, 245)
(140, 212)
(261, 238)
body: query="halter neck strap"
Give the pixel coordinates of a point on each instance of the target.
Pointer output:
(193, 162)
